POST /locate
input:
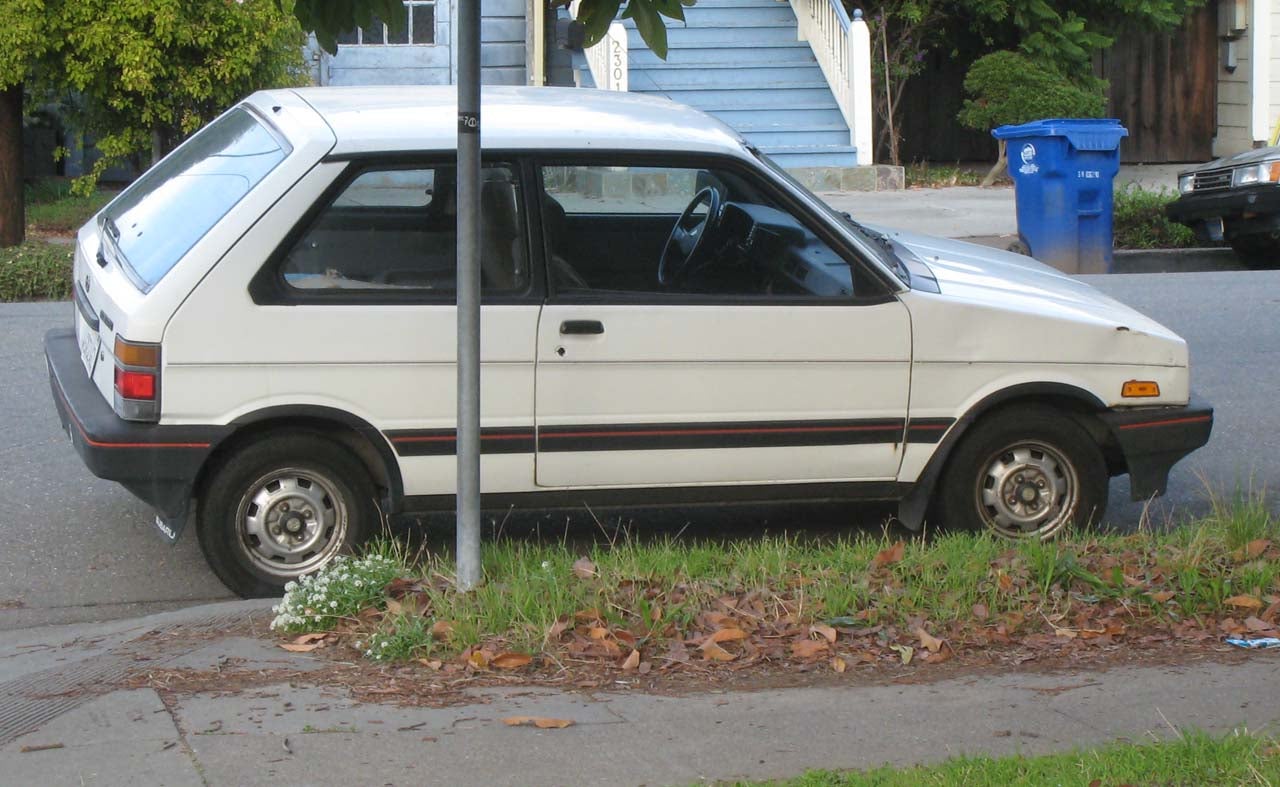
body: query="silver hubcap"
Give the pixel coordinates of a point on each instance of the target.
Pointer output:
(291, 522)
(1028, 490)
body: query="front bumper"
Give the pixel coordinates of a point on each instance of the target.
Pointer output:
(1153, 439)
(1244, 211)
(159, 464)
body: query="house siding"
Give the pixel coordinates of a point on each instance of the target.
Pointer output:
(1274, 93)
(1235, 109)
(502, 53)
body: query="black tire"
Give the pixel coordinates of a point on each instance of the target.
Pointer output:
(260, 495)
(1257, 252)
(1023, 473)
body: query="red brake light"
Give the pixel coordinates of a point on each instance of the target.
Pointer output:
(135, 385)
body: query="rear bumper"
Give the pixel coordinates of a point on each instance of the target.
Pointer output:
(1153, 439)
(159, 464)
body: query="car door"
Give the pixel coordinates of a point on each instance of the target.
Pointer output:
(354, 313)
(773, 356)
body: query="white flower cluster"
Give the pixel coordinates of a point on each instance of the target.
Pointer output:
(377, 646)
(342, 587)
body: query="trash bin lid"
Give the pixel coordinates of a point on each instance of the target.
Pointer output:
(1091, 134)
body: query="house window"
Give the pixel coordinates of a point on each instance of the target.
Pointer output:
(417, 25)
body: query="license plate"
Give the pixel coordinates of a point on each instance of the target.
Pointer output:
(89, 341)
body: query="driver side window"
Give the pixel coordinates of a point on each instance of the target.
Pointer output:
(687, 231)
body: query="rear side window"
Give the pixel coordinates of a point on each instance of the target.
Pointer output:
(170, 208)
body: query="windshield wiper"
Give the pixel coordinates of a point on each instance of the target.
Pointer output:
(885, 243)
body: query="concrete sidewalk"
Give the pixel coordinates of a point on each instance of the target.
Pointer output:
(56, 693)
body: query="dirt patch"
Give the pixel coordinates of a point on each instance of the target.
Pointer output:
(417, 685)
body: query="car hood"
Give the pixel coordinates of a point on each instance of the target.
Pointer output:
(1240, 159)
(1001, 279)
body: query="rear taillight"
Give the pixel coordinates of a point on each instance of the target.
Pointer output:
(137, 380)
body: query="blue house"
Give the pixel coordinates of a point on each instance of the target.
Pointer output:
(793, 76)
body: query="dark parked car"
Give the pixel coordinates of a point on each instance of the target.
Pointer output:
(1235, 199)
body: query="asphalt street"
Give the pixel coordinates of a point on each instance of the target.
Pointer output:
(74, 548)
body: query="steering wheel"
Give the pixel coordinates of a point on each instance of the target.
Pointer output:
(688, 236)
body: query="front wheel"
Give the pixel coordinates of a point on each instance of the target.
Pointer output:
(280, 508)
(1026, 473)
(1257, 252)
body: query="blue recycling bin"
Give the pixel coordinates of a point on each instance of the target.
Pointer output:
(1062, 176)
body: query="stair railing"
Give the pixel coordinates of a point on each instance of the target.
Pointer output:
(607, 58)
(842, 47)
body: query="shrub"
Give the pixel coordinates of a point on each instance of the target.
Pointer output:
(1140, 221)
(35, 271)
(1007, 88)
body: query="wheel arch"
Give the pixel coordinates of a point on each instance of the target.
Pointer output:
(363, 439)
(1078, 403)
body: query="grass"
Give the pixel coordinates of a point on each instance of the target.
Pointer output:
(1140, 222)
(955, 586)
(35, 270)
(927, 175)
(53, 210)
(1194, 760)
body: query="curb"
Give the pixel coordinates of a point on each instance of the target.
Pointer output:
(1175, 261)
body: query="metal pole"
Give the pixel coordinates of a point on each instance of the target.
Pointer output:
(468, 525)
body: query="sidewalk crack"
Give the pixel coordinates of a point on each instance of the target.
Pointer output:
(171, 707)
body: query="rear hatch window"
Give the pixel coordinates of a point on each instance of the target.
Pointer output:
(157, 220)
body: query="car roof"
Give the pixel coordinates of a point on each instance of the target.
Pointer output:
(398, 118)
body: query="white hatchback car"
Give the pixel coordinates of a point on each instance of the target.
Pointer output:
(265, 333)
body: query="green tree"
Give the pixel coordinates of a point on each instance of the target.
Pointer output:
(153, 73)
(1007, 88)
(137, 75)
(1063, 35)
(23, 41)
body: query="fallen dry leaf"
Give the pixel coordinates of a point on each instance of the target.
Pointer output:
(478, 659)
(511, 660)
(307, 639)
(1162, 596)
(441, 629)
(713, 651)
(1244, 602)
(1256, 624)
(980, 611)
(432, 664)
(296, 648)
(825, 631)
(583, 568)
(726, 635)
(394, 607)
(598, 632)
(891, 555)
(541, 722)
(631, 662)
(1256, 547)
(808, 648)
(1065, 633)
(928, 641)
(838, 664)
(905, 651)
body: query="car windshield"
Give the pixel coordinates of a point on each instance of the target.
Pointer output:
(170, 208)
(877, 243)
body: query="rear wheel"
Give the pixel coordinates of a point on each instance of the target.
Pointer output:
(1257, 252)
(282, 507)
(1024, 473)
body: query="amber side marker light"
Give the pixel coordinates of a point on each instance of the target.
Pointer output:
(134, 354)
(1135, 389)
